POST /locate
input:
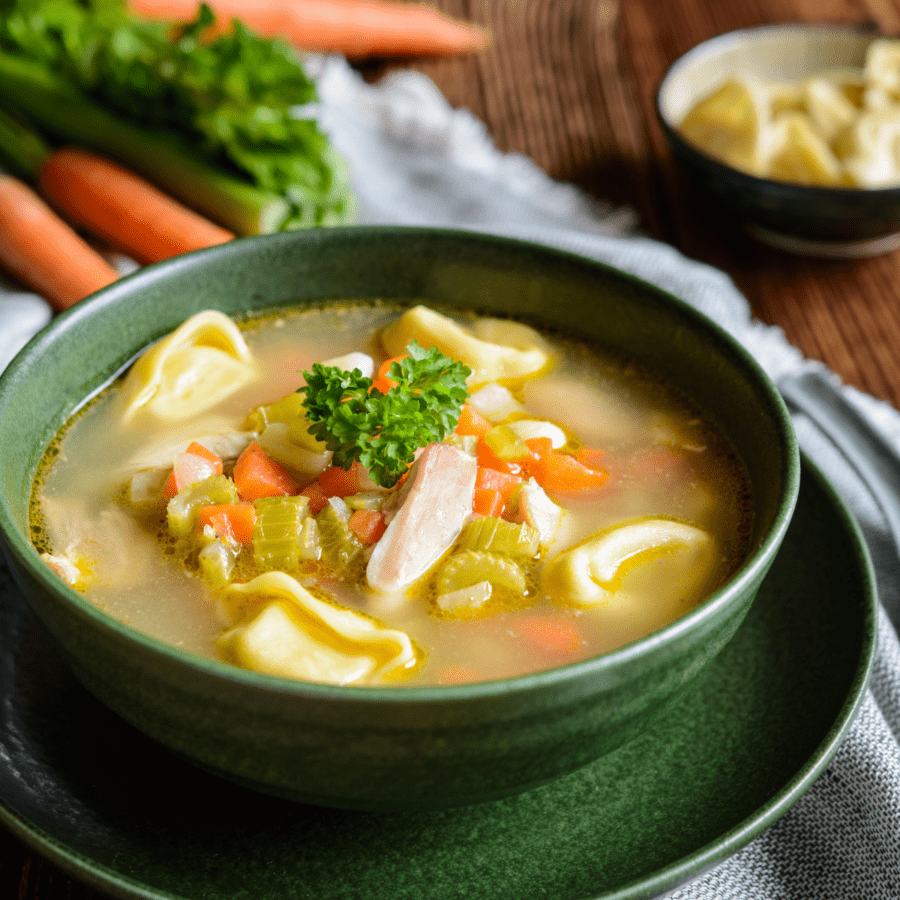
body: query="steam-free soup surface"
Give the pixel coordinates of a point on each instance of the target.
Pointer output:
(652, 519)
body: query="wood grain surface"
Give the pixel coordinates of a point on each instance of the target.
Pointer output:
(571, 83)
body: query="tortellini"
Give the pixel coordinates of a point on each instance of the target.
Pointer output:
(201, 363)
(835, 129)
(591, 573)
(488, 361)
(285, 631)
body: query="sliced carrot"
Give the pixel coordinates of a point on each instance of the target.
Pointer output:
(356, 28)
(234, 520)
(471, 422)
(122, 208)
(42, 250)
(367, 524)
(560, 472)
(554, 634)
(257, 475)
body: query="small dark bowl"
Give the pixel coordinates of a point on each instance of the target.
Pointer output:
(815, 221)
(390, 748)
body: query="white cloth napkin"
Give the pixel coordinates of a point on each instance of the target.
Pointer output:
(415, 160)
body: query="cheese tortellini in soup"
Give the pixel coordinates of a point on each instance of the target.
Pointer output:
(199, 364)
(284, 630)
(838, 128)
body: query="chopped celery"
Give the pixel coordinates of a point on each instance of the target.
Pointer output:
(217, 561)
(505, 443)
(499, 536)
(310, 546)
(367, 500)
(468, 567)
(467, 443)
(467, 600)
(181, 512)
(298, 432)
(340, 547)
(278, 530)
(288, 411)
(144, 491)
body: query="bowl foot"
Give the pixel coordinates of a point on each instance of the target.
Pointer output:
(824, 249)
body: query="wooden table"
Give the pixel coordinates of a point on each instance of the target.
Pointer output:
(571, 83)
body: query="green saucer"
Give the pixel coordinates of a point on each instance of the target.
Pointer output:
(112, 809)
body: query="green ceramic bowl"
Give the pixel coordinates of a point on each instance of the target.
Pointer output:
(390, 748)
(803, 219)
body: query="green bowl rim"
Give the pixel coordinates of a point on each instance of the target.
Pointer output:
(15, 542)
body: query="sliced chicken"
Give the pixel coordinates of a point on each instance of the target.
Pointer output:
(436, 502)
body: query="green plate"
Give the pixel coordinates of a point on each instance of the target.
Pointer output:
(112, 809)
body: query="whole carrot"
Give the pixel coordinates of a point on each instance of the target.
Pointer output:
(356, 28)
(43, 251)
(124, 209)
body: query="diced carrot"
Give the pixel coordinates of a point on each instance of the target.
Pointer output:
(554, 634)
(487, 502)
(234, 520)
(494, 491)
(367, 524)
(471, 422)
(560, 472)
(257, 475)
(338, 482)
(196, 463)
(504, 482)
(487, 459)
(317, 500)
(199, 450)
(381, 381)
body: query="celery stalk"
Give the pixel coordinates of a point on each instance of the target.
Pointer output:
(22, 151)
(67, 115)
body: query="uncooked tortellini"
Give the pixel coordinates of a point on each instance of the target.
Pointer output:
(838, 128)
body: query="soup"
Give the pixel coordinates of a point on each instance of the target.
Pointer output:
(373, 495)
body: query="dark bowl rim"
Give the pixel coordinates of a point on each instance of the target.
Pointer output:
(14, 542)
(756, 183)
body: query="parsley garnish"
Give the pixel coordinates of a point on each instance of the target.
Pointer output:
(383, 431)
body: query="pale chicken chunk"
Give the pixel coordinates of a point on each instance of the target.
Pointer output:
(436, 501)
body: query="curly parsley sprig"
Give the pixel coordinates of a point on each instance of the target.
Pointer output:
(383, 430)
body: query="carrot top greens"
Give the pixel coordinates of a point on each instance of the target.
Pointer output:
(383, 430)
